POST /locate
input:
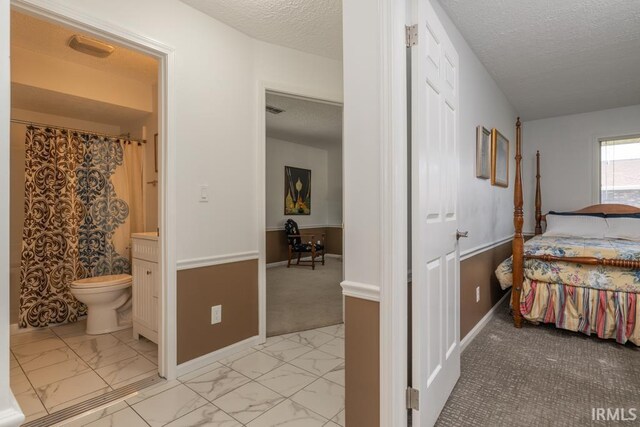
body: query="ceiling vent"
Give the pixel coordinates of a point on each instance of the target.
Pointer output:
(274, 110)
(90, 46)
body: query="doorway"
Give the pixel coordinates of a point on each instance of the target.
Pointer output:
(38, 112)
(303, 166)
(301, 304)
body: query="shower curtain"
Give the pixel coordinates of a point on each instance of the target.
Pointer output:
(83, 199)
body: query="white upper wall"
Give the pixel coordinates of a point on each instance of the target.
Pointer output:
(361, 138)
(283, 153)
(568, 149)
(218, 71)
(486, 211)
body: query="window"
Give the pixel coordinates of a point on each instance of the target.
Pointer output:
(620, 171)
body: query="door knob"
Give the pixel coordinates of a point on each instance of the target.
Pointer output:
(148, 272)
(460, 234)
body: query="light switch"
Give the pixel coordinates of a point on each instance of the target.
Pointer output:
(204, 193)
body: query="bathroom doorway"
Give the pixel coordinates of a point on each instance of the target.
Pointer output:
(87, 209)
(303, 199)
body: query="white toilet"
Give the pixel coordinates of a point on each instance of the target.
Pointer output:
(108, 300)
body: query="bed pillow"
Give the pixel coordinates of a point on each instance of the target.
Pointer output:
(588, 226)
(627, 228)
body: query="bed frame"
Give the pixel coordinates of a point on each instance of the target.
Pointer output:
(518, 238)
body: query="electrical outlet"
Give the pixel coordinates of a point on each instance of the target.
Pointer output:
(216, 314)
(477, 293)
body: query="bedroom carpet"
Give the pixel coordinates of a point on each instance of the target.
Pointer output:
(541, 376)
(299, 298)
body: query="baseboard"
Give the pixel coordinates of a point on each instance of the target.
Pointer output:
(281, 263)
(207, 359)
(11, 415)
(482, 323)
(14, 328)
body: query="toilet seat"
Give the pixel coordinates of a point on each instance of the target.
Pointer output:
(102, 281)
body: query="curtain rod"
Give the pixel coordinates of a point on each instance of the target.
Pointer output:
(30, 123)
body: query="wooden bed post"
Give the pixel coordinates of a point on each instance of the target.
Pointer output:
(538, 197)
(518, 240)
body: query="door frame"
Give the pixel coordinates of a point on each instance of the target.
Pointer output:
(294, 91)
(394, 272)
(69, 17)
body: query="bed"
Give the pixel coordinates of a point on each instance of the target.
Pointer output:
(582, 274)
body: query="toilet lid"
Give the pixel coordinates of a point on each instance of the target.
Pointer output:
(102, 281)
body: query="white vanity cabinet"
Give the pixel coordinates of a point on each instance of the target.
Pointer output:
(146, 285)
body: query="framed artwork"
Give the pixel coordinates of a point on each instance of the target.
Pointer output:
(297, 191)
(483, 153)
(499, 159)
(155, 150)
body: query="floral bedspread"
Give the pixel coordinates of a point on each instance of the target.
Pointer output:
(587, 276)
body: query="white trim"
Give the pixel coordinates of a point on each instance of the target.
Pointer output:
(187, 264)
(596, 153)
(595, 170)
(482, 323)
(393, 260)
(482, 248)
(12, 415)
(281, 263)
(262, 88)
(68, 16)
(207, 359)
(305, 227)
(360, 290)
(15, 329)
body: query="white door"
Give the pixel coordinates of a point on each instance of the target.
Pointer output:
(435, 255)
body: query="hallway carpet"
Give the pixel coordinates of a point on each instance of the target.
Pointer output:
(541, 376)
(299, 298)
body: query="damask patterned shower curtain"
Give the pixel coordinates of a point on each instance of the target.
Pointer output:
(74, 207)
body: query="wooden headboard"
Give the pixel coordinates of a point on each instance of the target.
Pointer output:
(609, 209)
(603, 208)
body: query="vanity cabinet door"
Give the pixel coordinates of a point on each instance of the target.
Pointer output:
(145, 310)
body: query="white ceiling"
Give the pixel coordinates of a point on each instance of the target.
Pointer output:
(306, 122)
(51, 39)
(556, 57)
(62, 104)
(313, 26)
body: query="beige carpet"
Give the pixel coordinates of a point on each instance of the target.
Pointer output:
(299, 298)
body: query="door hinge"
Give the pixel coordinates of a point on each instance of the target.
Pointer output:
(413, 399)
(411, 35)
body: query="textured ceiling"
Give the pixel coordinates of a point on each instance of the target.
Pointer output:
(51, 39)
(313, 26)
(556, 57)
(305, 122)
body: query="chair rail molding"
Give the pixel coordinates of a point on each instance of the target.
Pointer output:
(360, 290)
(187, 264)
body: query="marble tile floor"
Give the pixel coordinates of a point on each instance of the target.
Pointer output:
(57, 367)
(292, 380)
